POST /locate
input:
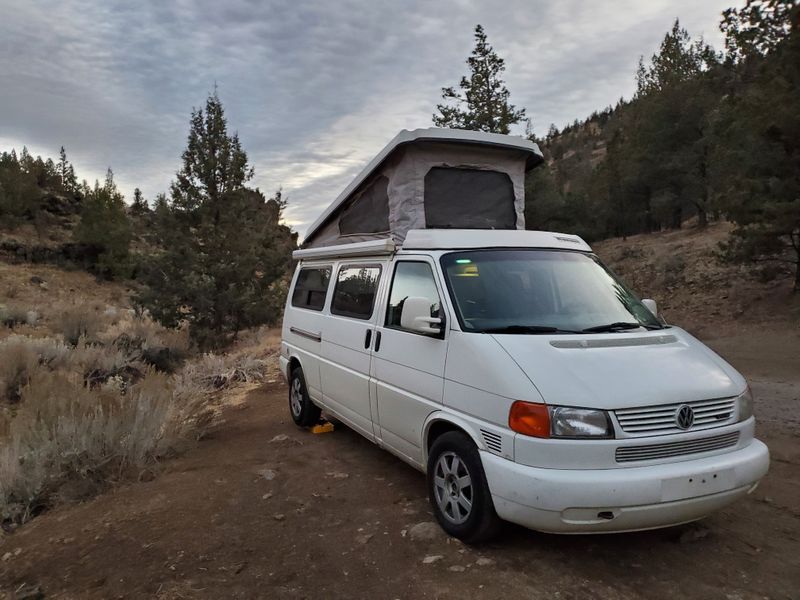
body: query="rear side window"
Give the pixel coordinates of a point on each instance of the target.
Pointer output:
(354, 295)
(311, 287)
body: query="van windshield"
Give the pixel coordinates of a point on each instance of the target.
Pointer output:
(540, 291)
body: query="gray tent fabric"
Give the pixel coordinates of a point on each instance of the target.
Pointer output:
(469, 199)
(369, 211)
(461, 182)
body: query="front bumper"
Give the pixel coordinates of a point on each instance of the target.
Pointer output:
(622, 499)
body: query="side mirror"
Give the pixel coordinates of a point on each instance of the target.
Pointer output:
(416, 316)
(651, 305)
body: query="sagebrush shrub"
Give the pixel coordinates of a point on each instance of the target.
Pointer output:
(11, 316)
(79, 322)
(18, 362)
(66, 431)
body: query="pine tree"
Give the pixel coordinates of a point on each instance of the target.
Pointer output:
(757, 158)
(224, 251)
(104, 229)
(758, 27)
(20, 196)
(66, 172)
(139, 205)
(670, 131)
(482, 103)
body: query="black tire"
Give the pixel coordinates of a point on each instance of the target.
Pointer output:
(448, 492)
(304, 412)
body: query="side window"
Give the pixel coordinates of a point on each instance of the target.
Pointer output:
(354, 295)
(311, 287)
(411, 279)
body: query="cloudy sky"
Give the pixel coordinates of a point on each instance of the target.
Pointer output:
(314, 88)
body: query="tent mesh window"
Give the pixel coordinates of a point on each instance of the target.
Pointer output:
(469, 199)
(369, 212)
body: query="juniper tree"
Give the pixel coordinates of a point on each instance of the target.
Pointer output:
(223, 249)
(482, 102)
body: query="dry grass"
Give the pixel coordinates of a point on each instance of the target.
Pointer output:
(92, 393)
(76, 323)
(13, 315)
(87, 415)
(17, 364)
(66, 431)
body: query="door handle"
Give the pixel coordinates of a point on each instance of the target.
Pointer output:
(368, 338)
(377, 341)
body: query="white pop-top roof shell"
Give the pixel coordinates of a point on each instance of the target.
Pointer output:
(431, 134)
(450, 239)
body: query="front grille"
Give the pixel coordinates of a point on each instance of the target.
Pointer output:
(493, 441)
(660, 420)
(681, 448)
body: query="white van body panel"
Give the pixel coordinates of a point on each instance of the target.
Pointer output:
(344, 370)
(622, 370)
(301, 338)
(408, 371)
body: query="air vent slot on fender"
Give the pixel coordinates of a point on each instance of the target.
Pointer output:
(493, 441)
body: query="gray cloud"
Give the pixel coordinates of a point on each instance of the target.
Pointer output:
(313, 88)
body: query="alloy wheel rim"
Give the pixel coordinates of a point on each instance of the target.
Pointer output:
(452, 487)
(296, 397)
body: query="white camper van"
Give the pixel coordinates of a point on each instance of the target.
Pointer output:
(510, 366)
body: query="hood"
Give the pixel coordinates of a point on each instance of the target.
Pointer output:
(622, 370)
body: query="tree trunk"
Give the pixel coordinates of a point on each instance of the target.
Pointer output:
(677, 218)
(797, 275)
(702, 217)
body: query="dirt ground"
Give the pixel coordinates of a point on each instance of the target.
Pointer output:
(263, 509)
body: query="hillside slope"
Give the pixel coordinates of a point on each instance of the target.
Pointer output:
(694, 289)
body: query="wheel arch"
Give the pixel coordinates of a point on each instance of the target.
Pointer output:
(293, 364)
(441, 422)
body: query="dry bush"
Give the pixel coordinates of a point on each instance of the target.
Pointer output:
(18, 362)
(214, 372)
(66, 431)
(11, 316)
(97, 363)
(21, 355)
(79, 322)
(165, 349)
(52, 353)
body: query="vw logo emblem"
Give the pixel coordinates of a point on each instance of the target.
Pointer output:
(684, 416)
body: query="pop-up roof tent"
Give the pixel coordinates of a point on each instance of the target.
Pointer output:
(432, 179)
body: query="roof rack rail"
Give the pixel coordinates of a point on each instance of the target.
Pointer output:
(370, 248)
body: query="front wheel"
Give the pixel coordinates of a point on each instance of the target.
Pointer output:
(304, 412)
(457, 488)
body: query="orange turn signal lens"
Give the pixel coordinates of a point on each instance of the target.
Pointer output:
(530, 419)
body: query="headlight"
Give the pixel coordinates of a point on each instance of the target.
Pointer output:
(566, 421)
(544, 421)
(745, 402)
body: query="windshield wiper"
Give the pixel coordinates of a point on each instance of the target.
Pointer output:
(526, 329)
(618, 326)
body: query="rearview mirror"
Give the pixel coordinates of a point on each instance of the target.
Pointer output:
(651, 305)
(416, 316)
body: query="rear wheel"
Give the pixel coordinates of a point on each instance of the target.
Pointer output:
(304, 412)
(458, 490)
